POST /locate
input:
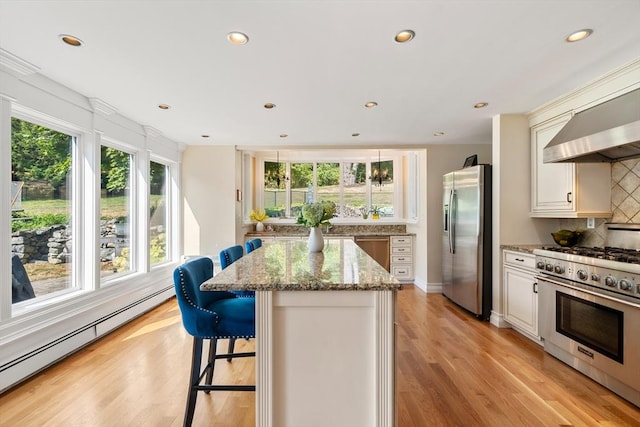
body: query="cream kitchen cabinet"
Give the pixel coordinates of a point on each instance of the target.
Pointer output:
(520, 292)
(566, 190)
(401, 251)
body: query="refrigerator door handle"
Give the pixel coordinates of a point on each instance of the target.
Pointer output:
(452, 229)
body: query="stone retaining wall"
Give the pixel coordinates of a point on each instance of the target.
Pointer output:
(53, 244)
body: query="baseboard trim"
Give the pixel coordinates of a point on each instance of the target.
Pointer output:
(28, 364)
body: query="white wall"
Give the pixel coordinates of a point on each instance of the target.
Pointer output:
(512, 224)
(209, 177)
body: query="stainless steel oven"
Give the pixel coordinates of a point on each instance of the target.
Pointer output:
(589, 313)
(595, 334)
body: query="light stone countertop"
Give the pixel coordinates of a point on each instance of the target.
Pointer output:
(288, 266)
(523, 248)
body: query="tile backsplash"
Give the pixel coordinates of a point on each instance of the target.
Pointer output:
(625, 191)
(625, 203)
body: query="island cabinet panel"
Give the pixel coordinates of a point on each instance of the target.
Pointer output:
(331, 358)
(325, 333)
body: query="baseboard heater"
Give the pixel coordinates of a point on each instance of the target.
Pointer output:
(77, 339)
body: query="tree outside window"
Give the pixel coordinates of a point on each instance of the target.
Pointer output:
(346, 184)
(275, 189)
(115, 223)
(41, 210)
(158, 212)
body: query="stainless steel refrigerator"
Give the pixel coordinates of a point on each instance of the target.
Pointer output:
(466, 238)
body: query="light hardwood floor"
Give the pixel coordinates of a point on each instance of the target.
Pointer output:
(452, 370)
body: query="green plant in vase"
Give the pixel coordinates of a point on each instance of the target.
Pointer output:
(375, 212)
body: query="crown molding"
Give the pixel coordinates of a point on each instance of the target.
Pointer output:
(151, 132)
(615, 83)
(99, 106)
(16, 66)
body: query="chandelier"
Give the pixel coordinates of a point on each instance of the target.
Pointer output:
(378, 175)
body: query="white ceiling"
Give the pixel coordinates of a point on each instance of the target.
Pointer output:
(320, 61)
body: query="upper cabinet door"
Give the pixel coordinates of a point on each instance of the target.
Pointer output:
(552, 187)
(566, 190)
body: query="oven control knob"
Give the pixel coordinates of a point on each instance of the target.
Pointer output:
(625, 285)
(595, 277)
(610, 281)
(540, 265)
(559, 269)
(582, 275)
(548, 267)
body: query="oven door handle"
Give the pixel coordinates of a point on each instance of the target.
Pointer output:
(554, 281)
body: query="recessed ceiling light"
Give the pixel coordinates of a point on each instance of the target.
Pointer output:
(164, 106)
(438, 134)
(355, 134)
(579, 35)
(480, 105)
(371, 104)
(236, 37)
(70, 40)
(283, 135)
(269, 105)
(405, 36)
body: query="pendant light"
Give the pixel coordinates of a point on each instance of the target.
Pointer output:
(284, 175)
(378, 176)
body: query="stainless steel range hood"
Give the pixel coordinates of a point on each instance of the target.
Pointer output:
(605, 133)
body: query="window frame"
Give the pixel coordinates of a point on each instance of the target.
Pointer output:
(133, 207)
(170, 191)
(315, 157)
(78, 141)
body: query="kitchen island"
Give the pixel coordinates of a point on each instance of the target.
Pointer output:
(325, 333)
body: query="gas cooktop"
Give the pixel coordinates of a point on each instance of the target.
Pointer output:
(630, 256)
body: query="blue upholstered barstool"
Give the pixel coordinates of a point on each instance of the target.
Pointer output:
(227, 257)
(230, 255)
(252, 245)
(210, 315)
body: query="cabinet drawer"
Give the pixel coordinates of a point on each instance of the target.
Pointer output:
(402, 272)
(519, 259)
(401, 240)
(398, 250)
(401, 259)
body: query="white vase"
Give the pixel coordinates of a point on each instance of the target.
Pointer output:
(316, 241)
(259, 226)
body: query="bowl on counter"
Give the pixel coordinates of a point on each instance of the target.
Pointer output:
(567, 237)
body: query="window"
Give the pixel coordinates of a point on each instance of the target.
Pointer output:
(115, 211)
(41, 210)
(328, 181)
(355, 185)
(301, 188)
(275, 189)
(354, 182)
(158, 212)
(382, 191)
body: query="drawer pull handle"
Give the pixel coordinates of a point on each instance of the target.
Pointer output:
(519, 259)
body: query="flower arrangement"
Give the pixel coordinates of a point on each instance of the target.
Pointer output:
(375, 212)
(364, 212)
(315, 214)
(258, 215)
